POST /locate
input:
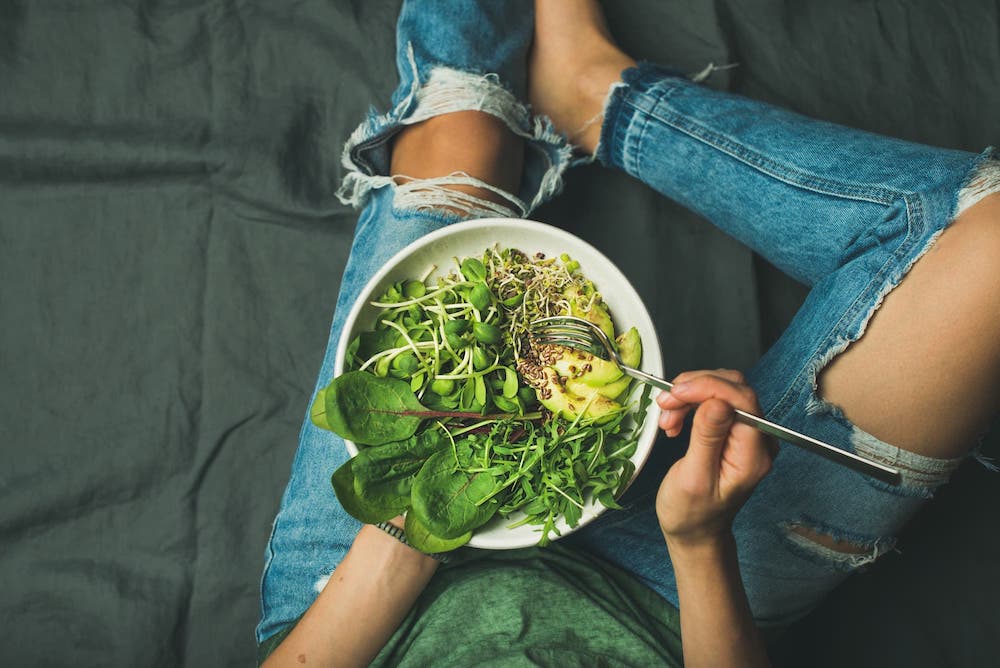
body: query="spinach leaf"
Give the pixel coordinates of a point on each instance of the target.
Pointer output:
(450, 501)
(385, 495)
(371, 410)
(396, 461)
(374, 411)
(370, 510)
(370, 343)
(317, 412)
(420, 537)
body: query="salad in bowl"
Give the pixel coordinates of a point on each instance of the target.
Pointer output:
(456, 417)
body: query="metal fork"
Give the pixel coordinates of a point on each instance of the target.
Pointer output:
(580, 334)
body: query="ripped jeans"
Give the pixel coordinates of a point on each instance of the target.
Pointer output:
(844, 211)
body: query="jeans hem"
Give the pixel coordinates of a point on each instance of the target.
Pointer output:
(610, 151)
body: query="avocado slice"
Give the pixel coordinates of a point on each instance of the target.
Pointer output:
(611, 390)
(567, 405)
(597, 313)
(595, 372)
(586, 368)
(630, 348)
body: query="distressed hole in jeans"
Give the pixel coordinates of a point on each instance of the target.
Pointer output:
(321, 583)
(445, 90)
(455, 193)
(902, 359)
(835, 547)
(920, 474)
(982, 183)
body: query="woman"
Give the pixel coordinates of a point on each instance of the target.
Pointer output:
(890, 236)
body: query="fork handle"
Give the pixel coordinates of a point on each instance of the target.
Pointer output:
(870, 467)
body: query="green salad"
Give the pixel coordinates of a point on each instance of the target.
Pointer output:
(460, 415)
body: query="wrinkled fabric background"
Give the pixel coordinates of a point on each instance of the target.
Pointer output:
(170, 250)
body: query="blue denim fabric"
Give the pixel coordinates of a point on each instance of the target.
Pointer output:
(845, 211)
(451, 56)
(312, 532)
(460, 55)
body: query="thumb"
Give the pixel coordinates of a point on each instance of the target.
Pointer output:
(709, 432)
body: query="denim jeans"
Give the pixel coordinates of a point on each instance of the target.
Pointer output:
(844, 211)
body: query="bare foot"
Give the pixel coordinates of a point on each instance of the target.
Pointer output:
(573, 63)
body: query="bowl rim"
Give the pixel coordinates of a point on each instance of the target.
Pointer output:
(518, 228)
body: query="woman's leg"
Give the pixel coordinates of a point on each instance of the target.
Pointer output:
(849, 213)
(458, 144)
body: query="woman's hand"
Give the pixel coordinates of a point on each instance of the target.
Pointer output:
(696, 504)
(702, 492)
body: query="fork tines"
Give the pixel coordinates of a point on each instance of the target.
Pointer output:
(562, 322)
(562, 340)
(562, 326)
(568, 331)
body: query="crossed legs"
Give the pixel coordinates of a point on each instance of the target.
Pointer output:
(928, 389)
(927, 383)
(926, 374)
(913, 379)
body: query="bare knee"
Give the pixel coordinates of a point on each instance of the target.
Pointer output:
(471, 153)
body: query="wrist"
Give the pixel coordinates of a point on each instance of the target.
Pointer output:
(709, 549)
(392, 550)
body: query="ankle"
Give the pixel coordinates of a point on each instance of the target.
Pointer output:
(574, 62)
(593, 85)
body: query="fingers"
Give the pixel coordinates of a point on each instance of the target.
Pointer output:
(725, 458)
(669, 401)
(712, 422)
(720, 444)
(675, 408)
(704, 386)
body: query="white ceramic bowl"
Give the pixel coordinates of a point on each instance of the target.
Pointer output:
(470, 239)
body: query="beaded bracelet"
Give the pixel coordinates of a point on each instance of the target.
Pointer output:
(400, 535)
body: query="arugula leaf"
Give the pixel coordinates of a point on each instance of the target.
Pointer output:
(625, 477)
(572, 513)
(607, 499)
